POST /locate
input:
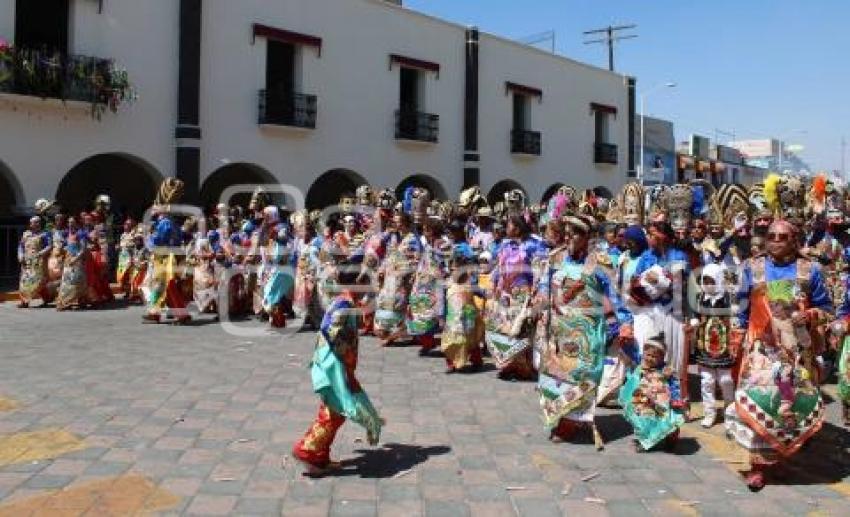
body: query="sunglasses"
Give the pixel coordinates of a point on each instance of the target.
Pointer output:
(778, 237)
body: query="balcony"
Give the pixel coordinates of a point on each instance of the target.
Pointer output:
(605, 153)
(417, 126)
(50, 75)
(288, 109)
(525, 142)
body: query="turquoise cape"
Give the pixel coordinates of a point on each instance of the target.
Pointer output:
(329, 382)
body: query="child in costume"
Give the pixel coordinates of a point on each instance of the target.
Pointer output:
(711, 334)
(651, 398)
(464, 327)
(332, 368)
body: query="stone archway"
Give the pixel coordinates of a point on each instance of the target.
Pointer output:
(128, 180)
(550, 192)
(328, 188)
(604, 192)
(497, 193)
(422, 181)
(11, 194)
(247, 175)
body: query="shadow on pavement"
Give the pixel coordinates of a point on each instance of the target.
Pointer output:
(822, 460)
(388, 461)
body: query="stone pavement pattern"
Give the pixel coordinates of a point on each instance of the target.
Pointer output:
(100, 414)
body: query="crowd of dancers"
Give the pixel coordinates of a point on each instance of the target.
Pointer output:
(600, 301)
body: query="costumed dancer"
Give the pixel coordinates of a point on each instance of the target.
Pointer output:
(277, 278)
(651, 397)
(656, 291)
(710, 332)
(585, 314)
(398, 268)
(57, 255)
(205, 277)
(141, 265)
(33, 250)
(305, 301)
(104, 222)
(334, 380)
(426, 303)
(509, 322)
(842, 347)
(97, 271)
(464, 327)
(126, 265)
(74, 288)
(778, 406)
(166, 298)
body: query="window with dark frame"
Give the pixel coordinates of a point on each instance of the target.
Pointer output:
(602, 127)
(281, 102)
(521, 111)
(409, 89)
(42, 25)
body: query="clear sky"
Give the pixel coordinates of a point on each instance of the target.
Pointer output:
(760, 68)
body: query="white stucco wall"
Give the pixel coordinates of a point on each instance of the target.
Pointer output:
(563, 116)
(357, 98)
(41, 141)
(7, 20)
(357, 91)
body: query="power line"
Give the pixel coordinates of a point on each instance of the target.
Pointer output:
(541, 37)
(611, 36)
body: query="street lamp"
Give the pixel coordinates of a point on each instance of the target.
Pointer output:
(643, 97)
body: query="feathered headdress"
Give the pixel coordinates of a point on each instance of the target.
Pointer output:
(698, 207)
(407, 201)
(817, 195)
(771, 191)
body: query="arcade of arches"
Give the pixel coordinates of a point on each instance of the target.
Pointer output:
(130, 182)
(497, 193)
(421, 181)
(328, 188)
(11, 197)
(241, 174)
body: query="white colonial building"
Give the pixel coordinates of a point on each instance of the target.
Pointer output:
(322, 95)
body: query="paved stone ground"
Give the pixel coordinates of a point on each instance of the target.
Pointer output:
(195, 420)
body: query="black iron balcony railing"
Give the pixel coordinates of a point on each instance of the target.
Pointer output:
(52, 75)
(414, 125)
(288, 109)
(525, 142)
(605, 153)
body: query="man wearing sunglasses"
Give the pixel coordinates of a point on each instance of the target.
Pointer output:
(782, 300)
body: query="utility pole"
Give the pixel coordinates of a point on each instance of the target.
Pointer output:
(843, 157)
(611, 36)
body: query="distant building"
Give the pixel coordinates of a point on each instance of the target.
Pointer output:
(659, 151)
(765, 153)
(697, 158)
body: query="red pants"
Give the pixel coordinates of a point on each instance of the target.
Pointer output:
(315, 447)
(427, 343)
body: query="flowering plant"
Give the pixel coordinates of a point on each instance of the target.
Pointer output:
(67, 77)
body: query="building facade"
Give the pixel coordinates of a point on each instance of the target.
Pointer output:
(771, 154)
(659, 151)
(321, 95)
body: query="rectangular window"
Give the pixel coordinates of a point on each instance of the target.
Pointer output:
(522, 117)
(409, 90)
(42, 25)
(280, 68)
(602, 127)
